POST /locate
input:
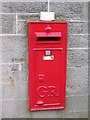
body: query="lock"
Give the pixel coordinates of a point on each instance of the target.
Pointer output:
(48, 52)
(40, 77)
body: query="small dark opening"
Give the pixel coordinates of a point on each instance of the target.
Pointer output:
(48, 39)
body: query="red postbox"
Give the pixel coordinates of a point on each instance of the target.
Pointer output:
(47, 50)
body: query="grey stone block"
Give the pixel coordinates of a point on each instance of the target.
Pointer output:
(23, 109)
(76, 104)
(8, 24)
(22, 27)
(10, 109)
(78, 41)
(0, 70)
(76, 114)
(12, 71)
(67, 16)
(48, 114)
(0, 44)
(83, 114)
(15, 109)
(67, 115)
(24, 72)
(24, 7)
(77, 57)
(14, 82)
(77, 81)
(89, 41)
(76, 7)
(85, 11)
(0, 90)
(10, 90)
(0, 109)
(22, 90)
(0, 7)
(78, 28)
(24, 1)
(31, 17)
(15, 90)
(0, 24)
(0, 74)
(14, 49)
(70, 10)
(0, 51)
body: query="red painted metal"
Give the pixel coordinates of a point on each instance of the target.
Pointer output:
(47, 50)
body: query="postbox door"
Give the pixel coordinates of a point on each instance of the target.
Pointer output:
(49, 84)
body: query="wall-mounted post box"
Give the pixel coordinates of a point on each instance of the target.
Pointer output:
(47, 48)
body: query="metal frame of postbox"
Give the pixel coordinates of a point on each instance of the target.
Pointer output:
(47, 58)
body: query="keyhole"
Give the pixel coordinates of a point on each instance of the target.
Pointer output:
(41, 77)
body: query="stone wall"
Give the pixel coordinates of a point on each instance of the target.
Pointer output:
(14, 64)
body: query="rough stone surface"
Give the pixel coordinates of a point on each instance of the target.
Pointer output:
(14, 58)
(77, 57)
(22, 27)
(77, 81)
(76, 115)
(78, 41)
(9, 108)
(49, 114)
(67, 7)
(23, 7)
(29, 17)
(71, 10)
(0, 78)
(15, 109)
(76, 103)
(89, 39)
(0, 74)
(8, 24)
(0, 51)
(14, 72)
(24, 0)
(0, 24)
(79, 114)
(0, 6)
(0, 91)
(78, 28)
(10, 71)
(0, 109)
(15, 47)
(71, 16)
(68, 16)
(15, 90)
